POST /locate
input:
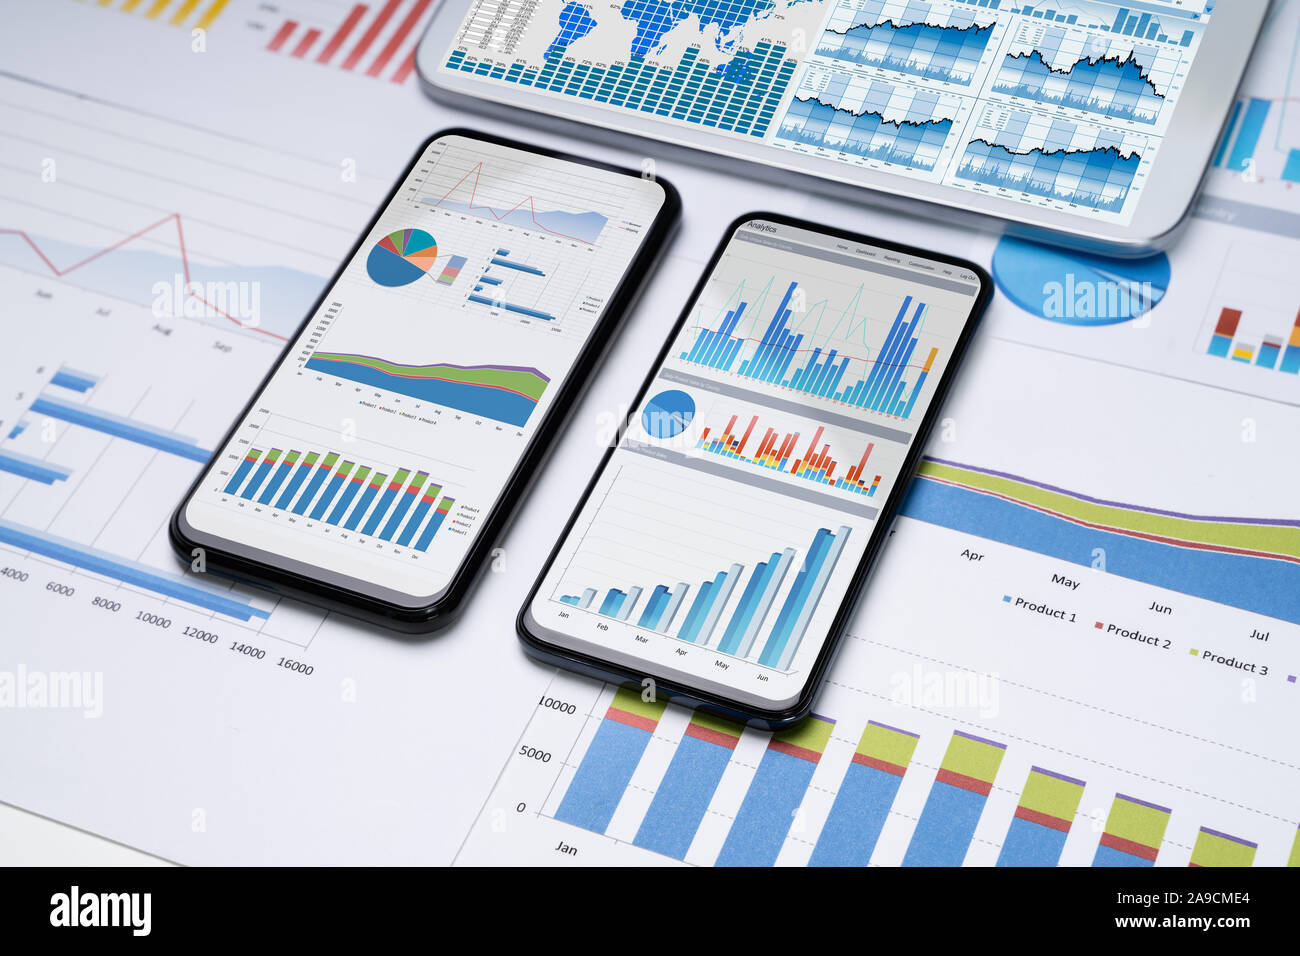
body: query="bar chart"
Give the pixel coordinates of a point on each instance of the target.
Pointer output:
(710, 618)
(499, 286)
(694, 787)
(741, 98)
(889, 380)
(376, 40)
(779, 452)
(1276, 352)
(400, 506)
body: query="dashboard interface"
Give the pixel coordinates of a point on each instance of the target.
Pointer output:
(1059, 105)
(380, 445)
(726, 527)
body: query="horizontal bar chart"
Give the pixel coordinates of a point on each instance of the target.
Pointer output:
(343, 493)
(119, 426)
(127, 571)
(35, 469)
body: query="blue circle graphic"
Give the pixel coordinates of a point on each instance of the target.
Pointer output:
(667, 414)
(1078, 288)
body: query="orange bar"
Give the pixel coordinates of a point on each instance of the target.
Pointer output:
(1295, 332)
(342, 33)
(930, 360)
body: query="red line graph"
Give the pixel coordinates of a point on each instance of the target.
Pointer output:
(473, 194)
(185, 265)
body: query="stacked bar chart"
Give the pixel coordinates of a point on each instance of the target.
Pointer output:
(741, 98)
(708, 618)
(1270, 352)
(775, 451)
(865, 797)
(769, 816)
(883, 388)
(607, 766)
(688, 786)
(392, 507)
(1134, 831)
(775, 794)
(1213, 848)
(451, 270)
(961, 788)
(1043, 819)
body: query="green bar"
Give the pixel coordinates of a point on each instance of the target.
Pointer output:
(1137, 822)
(344, 469)
(310, 459)
(1051, 795)
(811, 734)
(254, 454)
(1295, 851)
(1218, 849)
(887, 744)
(973, 758)
(445, 505)
(273, 456)
(329, 460)
(360, 476)
(292, 457)
(717, 724)
(401, 476)
(377, 481)
(629, 701)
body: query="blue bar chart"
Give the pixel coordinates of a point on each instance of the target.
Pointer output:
(119, 426)
(888, 382)
(391, 506)
(711, 618)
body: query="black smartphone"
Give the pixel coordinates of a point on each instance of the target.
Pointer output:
(380, 459)
(720, 550)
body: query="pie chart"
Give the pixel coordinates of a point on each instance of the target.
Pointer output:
(401, 257)
(667, 414)
(1078, 288)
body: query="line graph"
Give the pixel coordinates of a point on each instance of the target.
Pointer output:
(583, 226)
(1115, 85)
(1052, 158)
(189, 286)
(871, 119)
(909, 38)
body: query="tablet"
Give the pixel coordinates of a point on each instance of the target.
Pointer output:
(1087, 120)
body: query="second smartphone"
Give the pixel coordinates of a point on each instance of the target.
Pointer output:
(374, 468)
(721, 548)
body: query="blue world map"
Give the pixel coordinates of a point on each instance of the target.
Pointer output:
(655, 18)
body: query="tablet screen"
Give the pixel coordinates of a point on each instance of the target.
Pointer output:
(1063, 106)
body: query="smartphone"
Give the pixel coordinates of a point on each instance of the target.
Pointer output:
(381, 458)
(720, 550)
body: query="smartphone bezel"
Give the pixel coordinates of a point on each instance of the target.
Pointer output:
(361, 601)
(531, 633)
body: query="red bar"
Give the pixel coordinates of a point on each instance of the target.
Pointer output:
(704, 438)
(812, 445)
(396, 40)
(748, 431)
(765, 443)
(406, 69)
(281, 35)
(785, 447)
(1228, 320)
(342, 33)
(310, 37)
(865, 455)
(726, 432)
(825, 457)
(372, 31)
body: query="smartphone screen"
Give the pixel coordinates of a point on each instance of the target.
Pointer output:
(725, 531)
(376, 452)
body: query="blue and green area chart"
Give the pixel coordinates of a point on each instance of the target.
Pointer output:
(723, 81)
